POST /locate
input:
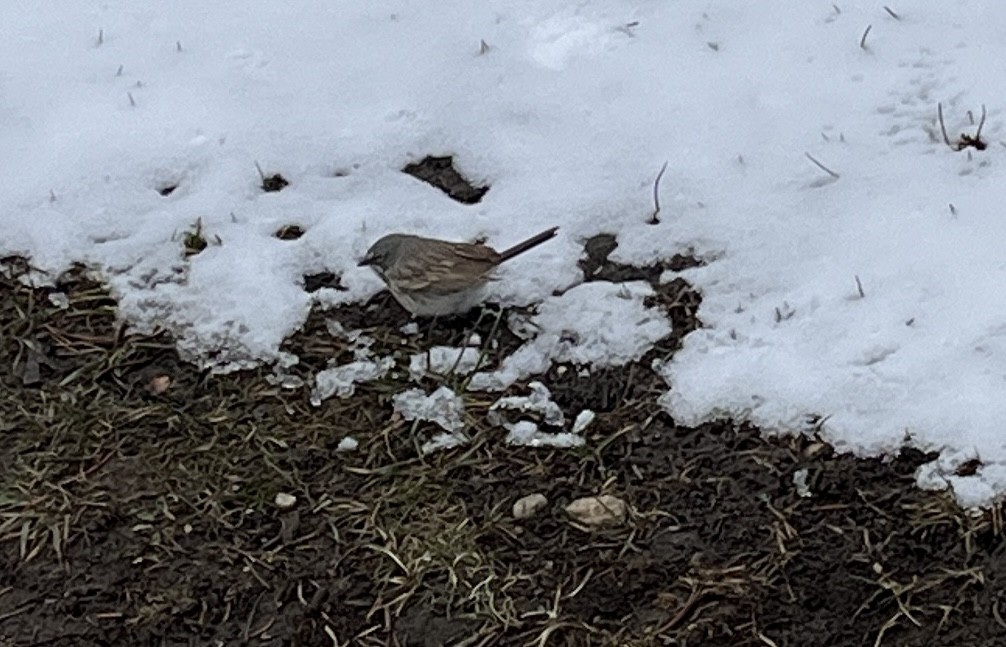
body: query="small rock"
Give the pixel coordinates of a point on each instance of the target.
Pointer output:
(813, 449)
(158, 384)
(528, 506)
(60, 300)
(598, 510)
(285, 501)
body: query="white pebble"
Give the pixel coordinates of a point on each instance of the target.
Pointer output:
(528, 506)
(597, 510)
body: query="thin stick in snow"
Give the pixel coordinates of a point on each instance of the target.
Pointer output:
(891, 13)
(966, 140)
(943, 126)
(822, 166)
(862, 41)
(859, 288)
(981, 123)
(654, 220)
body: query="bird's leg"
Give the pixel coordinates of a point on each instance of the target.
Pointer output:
(475, 328)
(429, 330)
(466, 336)
(485, 345)
(429, 345)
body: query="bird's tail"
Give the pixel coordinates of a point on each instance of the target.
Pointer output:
(530, 243)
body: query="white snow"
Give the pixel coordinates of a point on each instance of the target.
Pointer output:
(595, 324)
(800, 482)
(583, 420)
(347, 444)
(525, 432)
(359, 343)
(442, 407)
(445, 360)
(972, 490)
(443, 441)
(538, 401)
(342, 380)
(568, 116)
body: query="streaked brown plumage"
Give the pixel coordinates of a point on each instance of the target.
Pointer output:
(431, 277)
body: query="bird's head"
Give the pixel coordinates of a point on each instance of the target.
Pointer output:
(384, 253)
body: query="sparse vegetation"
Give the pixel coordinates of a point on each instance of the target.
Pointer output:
(193, 240)
(137, 505)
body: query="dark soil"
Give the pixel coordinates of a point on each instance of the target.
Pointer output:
(440, 173)
(273, 183)
(289, 232)
(596, 266)
(137, 508)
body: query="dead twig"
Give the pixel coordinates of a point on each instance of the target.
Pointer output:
(683, 613)
(862, 41)
(891, 13)
(654, 220)
(822, 166)
(965, 140)
(943, 126)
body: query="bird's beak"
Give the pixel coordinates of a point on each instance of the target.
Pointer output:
(366, 260)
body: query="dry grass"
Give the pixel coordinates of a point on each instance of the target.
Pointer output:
(137, 507)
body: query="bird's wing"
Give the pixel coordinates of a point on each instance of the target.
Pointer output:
(482, 254)
(445, 269)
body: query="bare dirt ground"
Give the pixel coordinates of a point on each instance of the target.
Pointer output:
(130, 517)
(137, 505)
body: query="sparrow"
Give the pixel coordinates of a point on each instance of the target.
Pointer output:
(431, 277)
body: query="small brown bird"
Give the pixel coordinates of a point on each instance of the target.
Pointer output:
(431, 277)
